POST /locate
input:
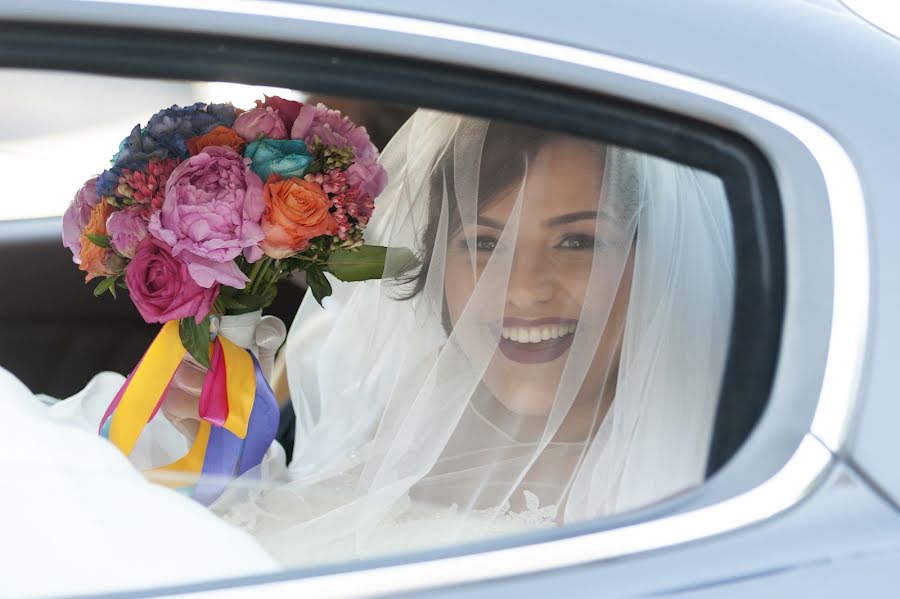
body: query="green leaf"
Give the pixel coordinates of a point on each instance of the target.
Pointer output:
(195, 339)
(107, 284)
(244, 303)
(400, 261)
(357, 265)
(317, 282)
(232, 304)
(100, 240)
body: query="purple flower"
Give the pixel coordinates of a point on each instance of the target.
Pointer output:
(368, 175)
(260, 122)
(211, 213)
(77, 216)
(334, 130)
(126, 229)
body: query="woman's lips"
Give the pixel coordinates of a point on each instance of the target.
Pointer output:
(536, 341)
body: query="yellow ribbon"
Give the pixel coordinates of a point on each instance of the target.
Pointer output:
(147, 385)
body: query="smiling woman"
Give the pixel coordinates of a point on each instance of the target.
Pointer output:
(556, 356)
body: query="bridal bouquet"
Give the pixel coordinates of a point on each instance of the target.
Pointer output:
(207, 207)
(202, 212)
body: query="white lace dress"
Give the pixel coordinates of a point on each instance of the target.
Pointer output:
(323, 524)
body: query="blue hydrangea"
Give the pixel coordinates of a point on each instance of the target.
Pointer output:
(108, 181)
(170, 128)
(137, 150)
(165, 136)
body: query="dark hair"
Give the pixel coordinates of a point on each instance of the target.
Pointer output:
(506, 150)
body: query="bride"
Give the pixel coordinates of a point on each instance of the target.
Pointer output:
(555, 357)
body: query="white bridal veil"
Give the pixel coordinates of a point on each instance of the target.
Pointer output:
(555, 357)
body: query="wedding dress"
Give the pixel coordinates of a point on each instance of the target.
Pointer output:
(77, 519)
(554, 357)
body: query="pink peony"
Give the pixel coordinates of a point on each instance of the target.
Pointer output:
(334, 130)
(368, 175)
(77, 216)
(126, 229)
(286, 109)
(211, 214)
(161, 287)
(260, 122)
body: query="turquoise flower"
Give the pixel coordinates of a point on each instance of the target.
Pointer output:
(282, 157)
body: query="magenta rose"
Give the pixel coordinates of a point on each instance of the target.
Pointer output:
(211, 214)
(126, 229)
(286, 109)
(162, 288)
(260, 122)
(77, 216)
(334, 130)
(369, 176)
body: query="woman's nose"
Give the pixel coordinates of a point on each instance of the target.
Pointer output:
(530, 279)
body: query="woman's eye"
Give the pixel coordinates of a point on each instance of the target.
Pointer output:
(485, 243)
(577, 242)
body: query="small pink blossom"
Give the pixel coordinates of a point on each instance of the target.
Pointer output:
(352, 208)
(333, 181)
(260, 122)
(147, 188)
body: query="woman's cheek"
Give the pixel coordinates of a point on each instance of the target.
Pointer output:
(573, 279)
(459, 284)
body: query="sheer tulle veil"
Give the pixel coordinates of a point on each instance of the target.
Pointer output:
(416, 409)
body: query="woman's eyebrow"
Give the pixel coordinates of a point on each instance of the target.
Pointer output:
(555, 221)
(564, 219)
(484, 221)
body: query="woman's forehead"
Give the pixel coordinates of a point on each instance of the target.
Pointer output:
(565, 176)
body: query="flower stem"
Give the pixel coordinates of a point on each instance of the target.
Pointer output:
(254, 272)
(273, 279)
(259, 273)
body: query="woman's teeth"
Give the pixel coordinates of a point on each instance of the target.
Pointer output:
(536, 334)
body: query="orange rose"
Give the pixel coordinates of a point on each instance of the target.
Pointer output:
(97, 261)
(296, 211)
(220, 136)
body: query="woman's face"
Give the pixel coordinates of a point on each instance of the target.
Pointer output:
(563, 228)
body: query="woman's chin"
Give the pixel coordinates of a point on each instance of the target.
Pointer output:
(527, 402)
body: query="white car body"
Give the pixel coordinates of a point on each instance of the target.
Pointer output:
(808, 506)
